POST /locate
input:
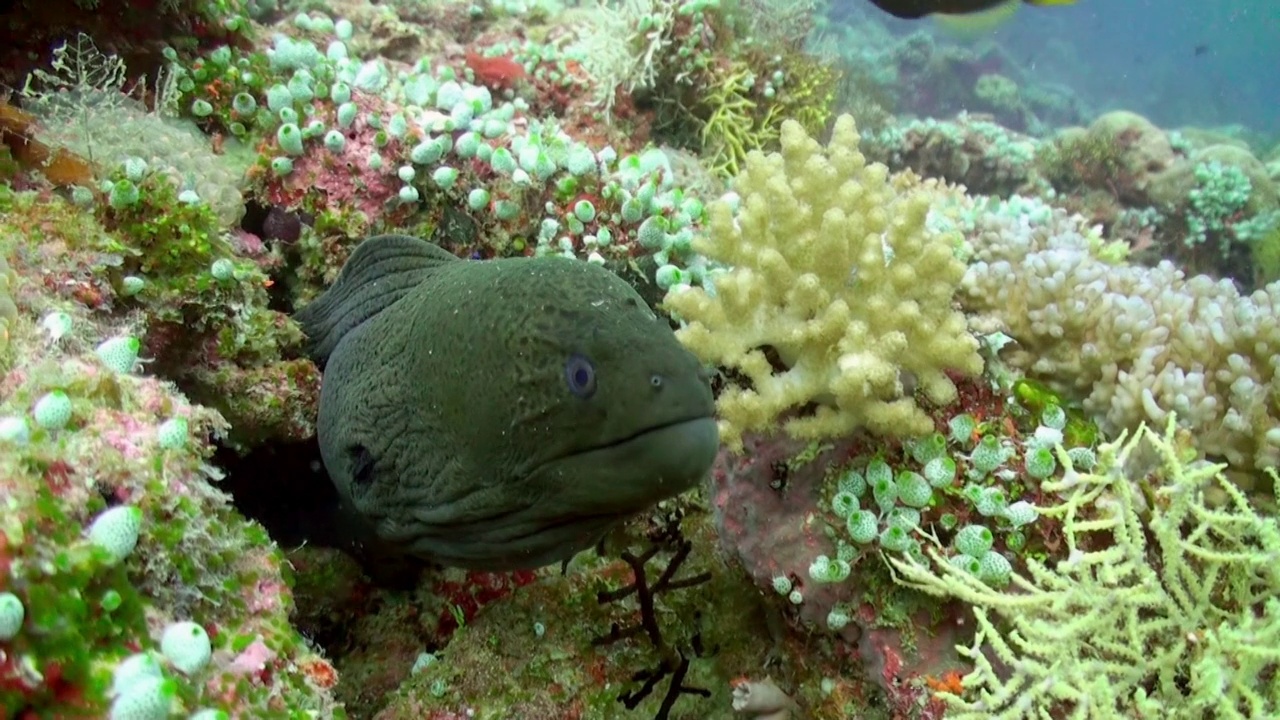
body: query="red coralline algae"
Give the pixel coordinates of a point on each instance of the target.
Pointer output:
(123, 433)
(498, 73)
(769, 518)
(465, 593)
(344, 179)
(772, 531)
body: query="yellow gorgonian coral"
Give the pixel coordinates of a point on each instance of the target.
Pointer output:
(833, 268)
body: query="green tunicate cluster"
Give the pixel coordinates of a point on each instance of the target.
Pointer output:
(282, 87)
(1221, 192)
(597, 200)
(825, 569)
(974, 554)
(546, 191)
(881, 507)
(972, 471)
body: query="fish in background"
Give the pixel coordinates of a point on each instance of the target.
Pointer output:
(962, 16)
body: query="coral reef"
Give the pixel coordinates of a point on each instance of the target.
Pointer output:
(1208, 206)
(813, 524)
(918, 75)
(661, 633)
(350, 152)
(83, 433)
(916, 381)
(570, 646)
(970, 150)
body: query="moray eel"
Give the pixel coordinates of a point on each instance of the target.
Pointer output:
(499, 414)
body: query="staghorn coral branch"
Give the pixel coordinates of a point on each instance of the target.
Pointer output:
(1161, 609)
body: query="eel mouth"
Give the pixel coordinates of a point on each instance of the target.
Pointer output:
(628, 455)
(645, 433)
(622, 476)
(652, 463)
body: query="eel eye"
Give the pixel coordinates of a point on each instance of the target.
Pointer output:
(580, 375)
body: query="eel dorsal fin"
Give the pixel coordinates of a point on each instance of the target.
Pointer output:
(380, 271)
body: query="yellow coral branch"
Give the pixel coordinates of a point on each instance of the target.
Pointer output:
(833, 269)
(727, 133)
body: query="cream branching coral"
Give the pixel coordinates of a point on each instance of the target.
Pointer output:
(1165, 606)
(838, 295)
(1132, 342)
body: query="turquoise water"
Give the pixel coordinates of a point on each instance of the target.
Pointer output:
(1176, 61)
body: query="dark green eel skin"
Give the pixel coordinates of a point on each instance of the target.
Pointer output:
(499, 414)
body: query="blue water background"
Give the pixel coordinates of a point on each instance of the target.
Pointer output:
(1141, 55)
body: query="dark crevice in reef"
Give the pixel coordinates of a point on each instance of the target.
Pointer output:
(347, 604)
(283, 486)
